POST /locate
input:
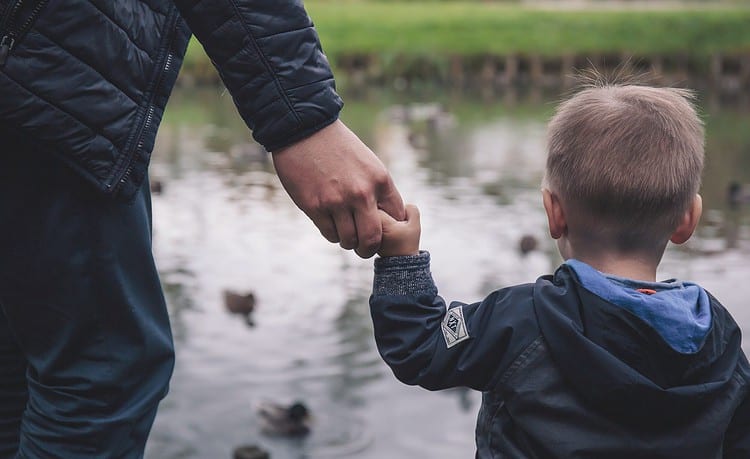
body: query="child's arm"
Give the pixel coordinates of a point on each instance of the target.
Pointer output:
(430, 345)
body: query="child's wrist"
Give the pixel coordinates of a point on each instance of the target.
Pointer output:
(398, 251)
(398, 254)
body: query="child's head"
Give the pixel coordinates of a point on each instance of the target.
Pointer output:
(624, 164)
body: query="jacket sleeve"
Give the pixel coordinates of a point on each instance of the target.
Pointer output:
(428, 344)
(268, 54)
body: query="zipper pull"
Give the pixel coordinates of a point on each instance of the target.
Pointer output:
(6, 45)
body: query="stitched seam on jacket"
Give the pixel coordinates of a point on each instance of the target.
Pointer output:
(123, 29)
(89, 66)
(309, 84)
(264, 106)
(56, 107)
(522, 359)
(266, 63)
(154, 10)
(275, 34)
(220, 26)
(490, 431)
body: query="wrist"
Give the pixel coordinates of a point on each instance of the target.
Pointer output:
(398, 253)
(404, 249)
(326, 132)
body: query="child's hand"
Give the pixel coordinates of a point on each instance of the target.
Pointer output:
(400, 238)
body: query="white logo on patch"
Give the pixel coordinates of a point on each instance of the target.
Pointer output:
(454, 326)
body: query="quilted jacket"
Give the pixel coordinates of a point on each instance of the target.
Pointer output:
(565, 374)
(88, 80)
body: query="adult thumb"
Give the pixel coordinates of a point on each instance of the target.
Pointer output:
(412, 213)
(390, 200)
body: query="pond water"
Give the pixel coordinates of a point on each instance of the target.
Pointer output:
(473, 164)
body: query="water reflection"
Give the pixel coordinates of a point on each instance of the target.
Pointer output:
(472, 163)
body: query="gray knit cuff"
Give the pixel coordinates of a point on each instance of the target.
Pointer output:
(405, 275)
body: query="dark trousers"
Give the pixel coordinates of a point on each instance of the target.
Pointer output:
(85, 346)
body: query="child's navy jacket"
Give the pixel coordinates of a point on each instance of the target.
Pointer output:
(564, 373)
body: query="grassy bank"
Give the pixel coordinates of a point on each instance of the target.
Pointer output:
(449, 28)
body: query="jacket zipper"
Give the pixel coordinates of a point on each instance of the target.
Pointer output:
(113, 188)
(9, 37)
(147, 123)
(12, 34)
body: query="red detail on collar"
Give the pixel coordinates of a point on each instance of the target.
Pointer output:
(647, 291)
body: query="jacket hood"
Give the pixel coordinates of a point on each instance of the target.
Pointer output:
(624, 367)
(679, 311)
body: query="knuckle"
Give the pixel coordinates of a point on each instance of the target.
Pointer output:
(360, 194)
(348, 243)
(368, 246)
(382, 179)
(311, 203)
(330, 201)
(370, 241)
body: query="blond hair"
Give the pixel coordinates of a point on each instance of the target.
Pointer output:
(628, 158)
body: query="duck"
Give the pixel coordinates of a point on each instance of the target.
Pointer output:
(527, 244)
(288, 421)
(240, 303)
(250, 452)
(417, 140)
(737, 194)
(157, 186)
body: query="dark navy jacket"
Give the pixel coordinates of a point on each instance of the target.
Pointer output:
(565, 374)
(89, 79)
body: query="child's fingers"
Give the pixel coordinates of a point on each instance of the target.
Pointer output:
(385, 218)
(391, 224)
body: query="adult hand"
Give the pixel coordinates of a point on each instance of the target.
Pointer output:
(340, 184)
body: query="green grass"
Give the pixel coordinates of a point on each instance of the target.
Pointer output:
(440, 29)
(478, 28)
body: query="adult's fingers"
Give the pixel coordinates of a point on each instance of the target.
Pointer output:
(369, 230)
(326, 225)
(389, 199)
(346, 229)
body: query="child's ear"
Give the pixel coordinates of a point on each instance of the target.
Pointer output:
(689, 221)
(558, 226)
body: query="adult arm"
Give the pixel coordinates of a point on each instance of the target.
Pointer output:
(429, 344)
(268, 54)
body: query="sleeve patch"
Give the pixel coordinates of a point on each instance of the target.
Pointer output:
(454, 326)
